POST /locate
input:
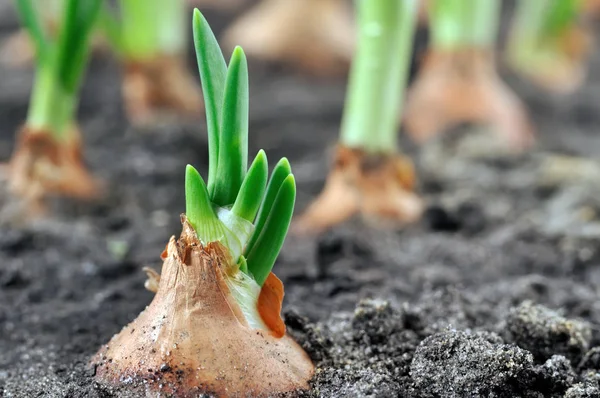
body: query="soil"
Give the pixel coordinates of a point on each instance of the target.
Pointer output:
(495, 293)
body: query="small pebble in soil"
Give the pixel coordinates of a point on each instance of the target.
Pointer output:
(165, 367)
(463, 364)
(544, 332)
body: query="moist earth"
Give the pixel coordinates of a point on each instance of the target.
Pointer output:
(494, 293)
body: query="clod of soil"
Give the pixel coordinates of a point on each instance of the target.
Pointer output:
(456, 363)
(544, 332)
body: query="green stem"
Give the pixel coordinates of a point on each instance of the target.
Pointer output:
(149, 28)
(457, 24)
(378, 75)
(172, 38)
(59, 73)
(51, 108)
(138, 29)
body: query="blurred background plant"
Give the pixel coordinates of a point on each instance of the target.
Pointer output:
(369, 176)
(151, 41)
(48, 156)
(18, 50)
(458, 82)
(310, 35)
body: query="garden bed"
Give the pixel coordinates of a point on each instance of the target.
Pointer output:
(494, 293)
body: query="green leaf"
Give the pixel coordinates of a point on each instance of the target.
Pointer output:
(213, 72)
(262, 256)
(253, 188)
(233, 140)
(198, 209)
(73, 41)
(280, 172)
(31, 22)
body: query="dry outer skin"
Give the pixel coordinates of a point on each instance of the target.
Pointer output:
(160, 84)
(379, 187)
(462, 86)
(193, 337)
(41, 165)
(315, 35)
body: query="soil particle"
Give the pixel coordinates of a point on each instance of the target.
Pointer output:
(544, 332)
(588, 388)
(460, 363)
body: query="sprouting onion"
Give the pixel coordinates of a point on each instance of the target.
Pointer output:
(214, 326)
(369, 176)
(149, 37)
(312, 35)
(60, 64)
(236, 206)
(47, 157)
(458, 82)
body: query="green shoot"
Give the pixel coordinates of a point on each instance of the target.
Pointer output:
(273, 232)
(60, 63)
(213, 72)
(464, 23)
(252, 191)
(233, 156)
(234, 208)
(280, 172)
(378, 75)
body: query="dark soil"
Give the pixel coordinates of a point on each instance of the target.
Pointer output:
(495, 293)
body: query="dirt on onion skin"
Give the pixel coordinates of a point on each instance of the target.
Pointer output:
(381, 312)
